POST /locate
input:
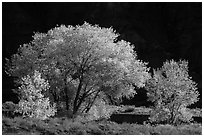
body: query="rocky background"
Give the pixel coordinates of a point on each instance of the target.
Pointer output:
(159, 31)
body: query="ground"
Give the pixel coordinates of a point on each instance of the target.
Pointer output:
(80, 126)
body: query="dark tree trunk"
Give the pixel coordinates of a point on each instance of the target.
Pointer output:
(91, 103)
(67, 101)
(76, 106)
(55, 97)
(66, 98)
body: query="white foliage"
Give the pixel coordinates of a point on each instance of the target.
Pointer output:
(33, 103)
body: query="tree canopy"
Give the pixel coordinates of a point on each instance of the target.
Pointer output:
(81, 62)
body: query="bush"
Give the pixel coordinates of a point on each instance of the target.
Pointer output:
(8, 109)
(100, 110)
(172, 91)
(166, 130)
(33, 103)
(192, 129)
(129, 129)
(93, 129)
(75, 128)
(8, 122)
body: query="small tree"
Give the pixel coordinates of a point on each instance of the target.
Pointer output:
(80, 62)
(172, 90)
(33, 103)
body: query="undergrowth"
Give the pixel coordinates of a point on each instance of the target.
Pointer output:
(64, 126)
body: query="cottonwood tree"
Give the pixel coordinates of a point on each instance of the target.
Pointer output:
(81, 62)
(172, 90)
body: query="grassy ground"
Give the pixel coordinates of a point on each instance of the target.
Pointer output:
(62, 126)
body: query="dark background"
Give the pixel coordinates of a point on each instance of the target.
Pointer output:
(159, 31)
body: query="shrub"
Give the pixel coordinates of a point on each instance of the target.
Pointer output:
(6, 121)
(75, 128)
(166, 130)
(107, 127)
(93, 129)
(192, 129)
(172, 90)
(33, 103)
(100, 110)
(129, 129)
(8, 109)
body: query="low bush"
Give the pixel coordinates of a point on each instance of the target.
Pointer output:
(166, 130)
(8, 109)
(92, 129)
(193, 129)
(109, 128)
(128, 129)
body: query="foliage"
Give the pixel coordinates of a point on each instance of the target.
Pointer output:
(172, 90)
(79, 62)
(33, 103)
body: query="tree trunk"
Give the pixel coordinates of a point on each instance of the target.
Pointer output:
(66, 95)
(91, 104)
(76, 106)
(55, 97)
(66, 98)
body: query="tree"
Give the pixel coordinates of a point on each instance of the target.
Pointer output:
(33, 103)
(80, 62)
(172, 90)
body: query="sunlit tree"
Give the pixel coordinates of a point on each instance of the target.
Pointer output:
(80, 62)
(172, 90)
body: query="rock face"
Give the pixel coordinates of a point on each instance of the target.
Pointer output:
(159, 31)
